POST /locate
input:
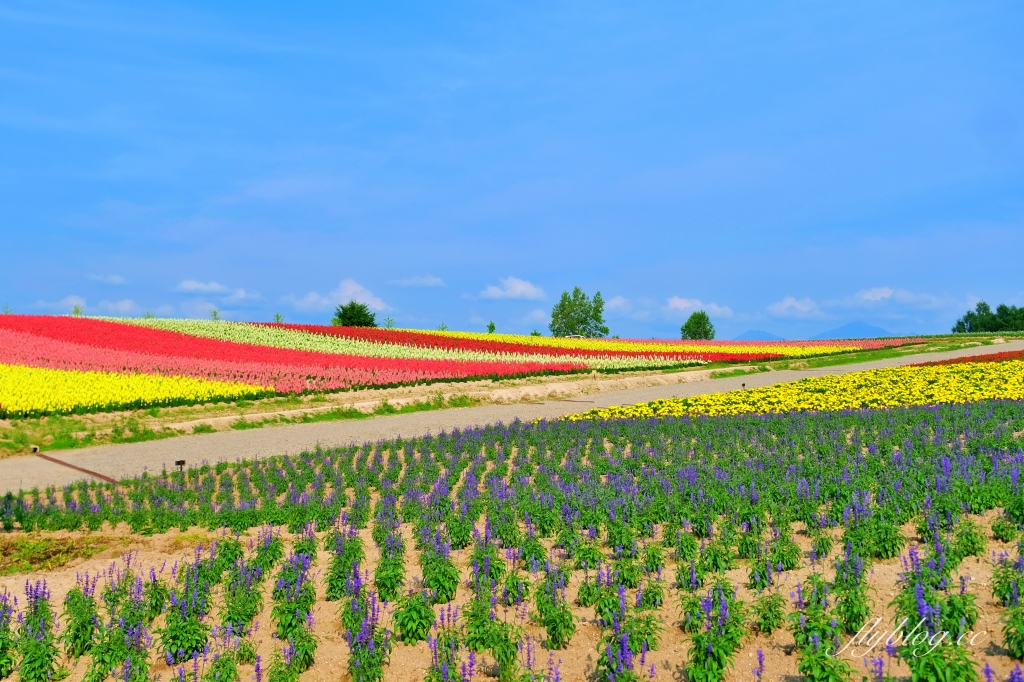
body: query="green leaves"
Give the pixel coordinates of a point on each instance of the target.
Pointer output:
(413, 618)
(698, 327)
(576, 314)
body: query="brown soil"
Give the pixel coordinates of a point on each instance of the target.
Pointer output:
(409, 663)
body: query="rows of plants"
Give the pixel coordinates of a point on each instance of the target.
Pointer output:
(364, 342)
(991, 357)
(890, 387)
(56, 365)
(516, 529)
(60, 365)
(597, 353)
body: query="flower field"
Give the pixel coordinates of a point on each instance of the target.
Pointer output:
(992, 357)
(29, 392)
(749, 547)
(174, 362)
(915, 385)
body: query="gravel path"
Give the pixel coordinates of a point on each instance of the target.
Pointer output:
(121, 461)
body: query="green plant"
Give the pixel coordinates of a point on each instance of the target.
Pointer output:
(698, 327)
(491, 327)
(588, 556)
(1005, 531)
(947, 661)
(1006, 318)
(884, 538)
(7, 640)
(1013, 631)
(36, 641)
(354, 314)
(716, 557)
(969, 540)
(413, 618)
(769, 612)
(576, 314)
(369, 645)
(853, 608)
(80, 617)
(819, 664)
(822, 544)
(554, 615)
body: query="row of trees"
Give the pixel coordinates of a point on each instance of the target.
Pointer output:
(575, 315)
(1005, 318)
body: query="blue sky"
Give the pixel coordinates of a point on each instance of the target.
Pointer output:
(786, 166)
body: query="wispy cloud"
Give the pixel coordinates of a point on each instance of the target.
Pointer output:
(115, 280)
(191, 286)
(64, 305)
(689, 305)
(799, 308)
(515, 288)
(348, 290)
(535, 316)
(418, 282)
(123, 307)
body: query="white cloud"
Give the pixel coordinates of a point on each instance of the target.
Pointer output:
(64, 305)
(537, 316)
(115, 280)
(425, 281)
(242, 295)
(887, 297)
(191, 286)
(686, 305)
(875, 294)
(794, 307)
(348, 290)
(123, 307)
(200, 307)
(513, 287)
(620, 304)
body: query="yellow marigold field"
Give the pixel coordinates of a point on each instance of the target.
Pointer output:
(891, 387)
(29, 391)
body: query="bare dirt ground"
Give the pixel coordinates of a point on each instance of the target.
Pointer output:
(409, 663)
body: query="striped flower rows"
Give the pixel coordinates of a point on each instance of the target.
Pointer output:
(74, 360)
(890, 387)
(30, 391)
(329, 340)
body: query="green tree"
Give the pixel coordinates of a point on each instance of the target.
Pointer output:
(577, 314)
(535, 332)
(354, 314)
(278, 318)
(698, 327)
(214, 314)
(1005, 318)
(389, 322)
(491, 327)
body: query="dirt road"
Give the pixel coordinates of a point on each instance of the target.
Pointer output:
(120, 461)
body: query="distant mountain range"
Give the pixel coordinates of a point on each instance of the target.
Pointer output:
(758, 335)
(852, 330)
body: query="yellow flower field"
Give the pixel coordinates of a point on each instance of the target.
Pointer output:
(890, 387)
(28, 391)
(792, 349)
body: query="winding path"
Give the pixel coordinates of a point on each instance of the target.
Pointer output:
(120, 461)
